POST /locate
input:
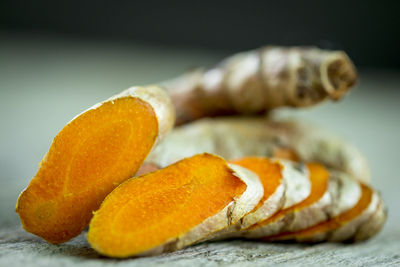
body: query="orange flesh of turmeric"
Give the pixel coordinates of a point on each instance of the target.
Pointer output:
(335, 222)
(319, 178)
(88, 158)
(147, 211)
(268, 172)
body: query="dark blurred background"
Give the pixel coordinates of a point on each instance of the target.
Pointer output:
(367, 30)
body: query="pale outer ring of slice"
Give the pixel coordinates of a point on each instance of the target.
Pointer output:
(159, 100)
(347, 195)
(374, 224)
(350, 228)
(298, 185)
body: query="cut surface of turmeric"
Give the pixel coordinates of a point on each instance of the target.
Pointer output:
(88, 158)
(158, 211)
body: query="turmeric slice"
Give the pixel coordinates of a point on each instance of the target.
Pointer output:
(270, 174)
(296, 177)
(350, 222)
(316, 207)
(173, 207)
(373, 225)
(342, 227)
(305, 213)
(89, 157)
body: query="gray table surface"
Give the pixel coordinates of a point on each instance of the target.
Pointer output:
(44, 82)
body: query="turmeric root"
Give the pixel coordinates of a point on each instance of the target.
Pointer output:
(234, 138)
(89, 157)
(260, 80)
(173, 207)
(204, 197)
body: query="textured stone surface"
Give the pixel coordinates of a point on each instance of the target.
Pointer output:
(18, 248)
(46, 82)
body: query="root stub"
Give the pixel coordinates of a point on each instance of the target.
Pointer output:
(88, 158)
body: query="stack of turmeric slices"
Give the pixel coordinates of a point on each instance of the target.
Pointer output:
(205, 198)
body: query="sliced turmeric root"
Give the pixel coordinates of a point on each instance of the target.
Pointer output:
(88, 158)
(301, 215)
(173, 207)
(341, 227)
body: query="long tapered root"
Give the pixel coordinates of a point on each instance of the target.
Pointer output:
(88, 158)
(260, 80)
(234, 138)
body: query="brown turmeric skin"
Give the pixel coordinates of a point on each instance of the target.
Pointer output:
(88, 158)
(257, 81)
